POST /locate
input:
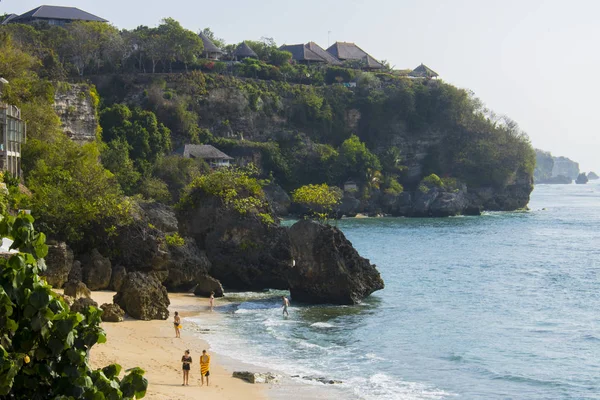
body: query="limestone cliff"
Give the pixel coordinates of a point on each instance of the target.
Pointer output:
(76, 106)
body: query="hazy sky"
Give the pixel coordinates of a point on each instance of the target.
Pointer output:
(533, 60)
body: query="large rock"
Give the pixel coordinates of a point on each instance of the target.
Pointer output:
(112, 312)
(82, 303)
(246, 253)
(186, 265)
(97, 270)
(76, 273)
(582, 179)
(278, 198)
(592, 176)
(77, 290)
(59, 262)
(117, 277)
(327, 268)
(143, 297)
(161, 216)
(207, 285)
(257, 377)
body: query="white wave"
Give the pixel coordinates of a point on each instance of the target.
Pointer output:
(322, 325)
(384, 387)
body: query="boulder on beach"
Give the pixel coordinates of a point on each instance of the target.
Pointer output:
(256, 377)
(117, 277)
(327, 268)
(59, 262)
(76, 273)
(143, 297)
(112, 312)
(96, 270)
(77, 290)
(82, 303)
(206, 285)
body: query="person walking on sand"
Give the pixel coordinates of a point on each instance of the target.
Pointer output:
(204, 366)
(177, 323)
(211, 301)
(187, 361)
(286, 304)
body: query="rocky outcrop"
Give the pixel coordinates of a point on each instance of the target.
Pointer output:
(96, 269)
(77, 290)
(207, 285)
(565, 167)
(544, 164)
(161, 216)
(327, 268)
(257, 377)
(186, 265)
(82, 303)
(112, 312)
(592, 176)
(75, 107)
(278, 198)
(245, 252)
(59, 262)
(76, 273)
(117, 278)
(143, 297)
(582, 179)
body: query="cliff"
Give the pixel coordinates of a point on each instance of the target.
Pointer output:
(554, 170)
(76, 106)
(565, 167)
(294, 132)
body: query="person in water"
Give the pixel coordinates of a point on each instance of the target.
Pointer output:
(286, 304)
(177, 323)
(187, 361)
(211, 301)
(204, 366)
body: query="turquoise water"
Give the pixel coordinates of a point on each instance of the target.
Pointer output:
(502, 306)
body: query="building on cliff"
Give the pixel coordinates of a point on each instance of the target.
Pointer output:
(303, 55)
(244, 51)
(214, 157)
(13, 132)
(53, 15)
(210, 51)
(423, 71)
(346, 51)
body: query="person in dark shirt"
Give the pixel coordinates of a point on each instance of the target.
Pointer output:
(187, 361)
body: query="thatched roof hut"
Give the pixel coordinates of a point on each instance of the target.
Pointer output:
(423, 71)
(318, 50)
(244, 51)
(350, 51)
(210, 50)
(302, 54)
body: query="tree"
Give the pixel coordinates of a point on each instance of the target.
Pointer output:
(319, 199)
(115, 158)
(355, 161)
(44, 346)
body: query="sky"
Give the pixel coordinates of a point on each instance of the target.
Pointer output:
(533, 60)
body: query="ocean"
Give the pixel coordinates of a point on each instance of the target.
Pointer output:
(501, 306)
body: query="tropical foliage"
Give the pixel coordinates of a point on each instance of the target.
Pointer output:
(44, 346)
(320, 200)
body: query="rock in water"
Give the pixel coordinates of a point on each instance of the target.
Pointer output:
(82, 303)
(582, 179)
(59, 262)
(207, 284)
(143, 297)
(256, 377)
(592, 176)
(112, 312)
(96, 270)
(77, 290)
(327, 268)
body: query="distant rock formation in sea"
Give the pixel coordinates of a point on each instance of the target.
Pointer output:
(582, 179)
(592, 176)
(554, 170)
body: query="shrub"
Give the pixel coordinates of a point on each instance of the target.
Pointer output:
(174, 240)
(319, 199)
(433, 181)
(45, 346)
(391, 186)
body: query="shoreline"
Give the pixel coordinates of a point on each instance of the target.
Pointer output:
(152, 346)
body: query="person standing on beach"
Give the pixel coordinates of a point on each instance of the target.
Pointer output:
(204, 366)
(187, 361)
(286, 304)
(177, 322)
(211, 301)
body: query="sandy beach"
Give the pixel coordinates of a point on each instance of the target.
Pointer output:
(152, 346)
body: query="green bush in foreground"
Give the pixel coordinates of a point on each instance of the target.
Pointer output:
(44, 347)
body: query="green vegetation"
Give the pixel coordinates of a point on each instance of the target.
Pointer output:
(44, 346)
(174, 240)
(319, 199)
